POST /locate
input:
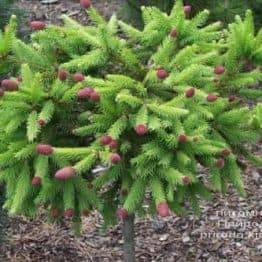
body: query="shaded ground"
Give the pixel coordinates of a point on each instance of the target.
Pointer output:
(51, 12)
(229, 228)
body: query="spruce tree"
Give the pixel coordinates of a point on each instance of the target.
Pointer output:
(146, 106)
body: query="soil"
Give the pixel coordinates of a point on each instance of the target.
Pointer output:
(229, 228)
(51, 13)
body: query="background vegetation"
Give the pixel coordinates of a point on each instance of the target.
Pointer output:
(6, 9)
(223, 10)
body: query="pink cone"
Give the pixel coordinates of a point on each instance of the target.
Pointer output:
(65, 173)
(122, 213)
(163, 209)
(141, 129)
(161, 73)
(36, 181)
(44, 149)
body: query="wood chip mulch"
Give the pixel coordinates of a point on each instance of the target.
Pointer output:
(51, 13)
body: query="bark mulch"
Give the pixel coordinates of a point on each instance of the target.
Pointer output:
(51, 13)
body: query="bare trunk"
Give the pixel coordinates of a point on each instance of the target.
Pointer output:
(129, 239)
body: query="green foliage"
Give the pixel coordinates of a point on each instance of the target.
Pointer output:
(224, 11)
(6, 41)
(150, 109)
(131, 9)
(243, 58)
(21, 131)
(257, 116)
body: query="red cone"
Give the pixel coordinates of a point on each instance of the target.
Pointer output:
(163, 209)
(41, 122)
(220, 163)
(211, 98)
(186, 180)
(141, 129)
(78, 77)
(105, 140)
(190, 92)
(187, 9)
(161, 73)
(85, 4)
(85, 93)
(36, 181)
(69, 212)
(225, 152)
(182, 138)
(44, 149)
(113, 144)
(9, 85)
(219, 70)
(37, 25)
(62, 74)
(122, 213)
(115, 158)
(65, 173)
(173, 33)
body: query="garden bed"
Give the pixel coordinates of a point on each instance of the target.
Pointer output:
(51, 12)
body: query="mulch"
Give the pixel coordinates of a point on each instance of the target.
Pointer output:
(51, 13)
(229, 228)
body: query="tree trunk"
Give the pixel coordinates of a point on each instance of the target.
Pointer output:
(129, 238)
